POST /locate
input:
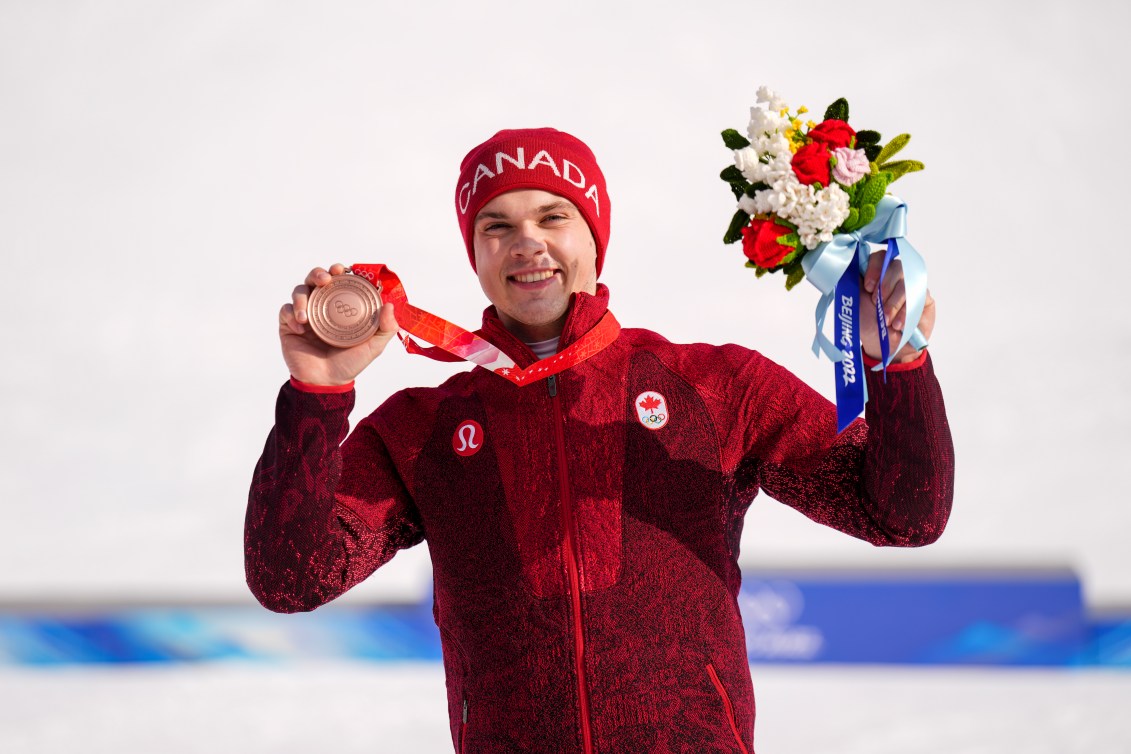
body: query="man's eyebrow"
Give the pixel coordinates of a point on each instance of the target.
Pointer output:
(558, 205)
(551, 207)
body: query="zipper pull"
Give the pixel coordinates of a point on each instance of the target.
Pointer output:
(465, 712)
(552, 384)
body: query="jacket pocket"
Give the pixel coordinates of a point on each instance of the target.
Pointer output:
(728, 708)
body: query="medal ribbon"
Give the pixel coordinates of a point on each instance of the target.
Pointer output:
(830, 268)
(453, 343)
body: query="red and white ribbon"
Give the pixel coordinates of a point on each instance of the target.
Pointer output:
(453, 343)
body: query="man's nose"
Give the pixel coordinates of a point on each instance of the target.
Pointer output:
(528, 241)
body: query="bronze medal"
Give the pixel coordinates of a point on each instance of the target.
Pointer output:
(345, 312)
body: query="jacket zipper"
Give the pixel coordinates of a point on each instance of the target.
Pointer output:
(463, 730)
(727, 706)
(571, 567)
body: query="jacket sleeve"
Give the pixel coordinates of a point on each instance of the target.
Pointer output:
(321, 518)
(887, 479)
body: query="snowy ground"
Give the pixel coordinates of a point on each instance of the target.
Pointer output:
(350, 708)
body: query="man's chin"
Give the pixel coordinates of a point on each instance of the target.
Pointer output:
(536, 325)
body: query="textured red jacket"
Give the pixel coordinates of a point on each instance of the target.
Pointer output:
(585, 565)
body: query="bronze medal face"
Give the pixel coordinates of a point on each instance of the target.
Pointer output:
(345, 312)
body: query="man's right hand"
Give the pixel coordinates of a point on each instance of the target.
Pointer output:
(310, 359)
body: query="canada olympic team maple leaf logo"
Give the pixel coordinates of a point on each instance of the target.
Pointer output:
(651, 409)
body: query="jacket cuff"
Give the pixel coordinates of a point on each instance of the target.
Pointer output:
(306, 387)
(906, 366)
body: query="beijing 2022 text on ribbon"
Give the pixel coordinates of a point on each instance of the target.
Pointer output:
(831, 270)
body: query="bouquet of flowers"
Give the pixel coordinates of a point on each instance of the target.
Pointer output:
(812, 197)
(798, 183)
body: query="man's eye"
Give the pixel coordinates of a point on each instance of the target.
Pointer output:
(554, 218)
(494, 226)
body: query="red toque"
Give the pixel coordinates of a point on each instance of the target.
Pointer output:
(533, 158)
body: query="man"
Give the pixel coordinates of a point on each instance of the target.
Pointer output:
(583, 529)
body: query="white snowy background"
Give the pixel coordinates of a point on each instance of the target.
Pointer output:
(169, 171)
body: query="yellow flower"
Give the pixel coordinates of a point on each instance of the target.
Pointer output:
(811, 124)
(783, 112)
(795, 123)
(795, 139)
(802, 110)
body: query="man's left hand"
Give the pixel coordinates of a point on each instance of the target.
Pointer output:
(895, 310)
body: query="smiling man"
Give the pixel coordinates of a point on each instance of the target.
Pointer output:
(583, 528)
(532, 250)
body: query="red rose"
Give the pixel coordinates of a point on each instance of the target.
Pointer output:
(760, 243)
(833, 133)
(811, 163)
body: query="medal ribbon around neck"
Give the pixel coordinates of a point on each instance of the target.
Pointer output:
(453, 343)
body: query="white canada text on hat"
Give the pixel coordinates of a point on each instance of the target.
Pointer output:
(569, 172)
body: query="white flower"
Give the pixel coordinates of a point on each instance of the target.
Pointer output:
(763, 122)
(748, 205)
(771, 98)
(747, 161)
(778, 167)
(816, 213)
(774, 145)
(787, 195)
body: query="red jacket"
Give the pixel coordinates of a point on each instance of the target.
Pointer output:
(585, 563)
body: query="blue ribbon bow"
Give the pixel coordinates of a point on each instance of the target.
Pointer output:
(829, 267)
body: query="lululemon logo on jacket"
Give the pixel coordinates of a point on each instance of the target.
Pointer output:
(651, 409)
(468, 438)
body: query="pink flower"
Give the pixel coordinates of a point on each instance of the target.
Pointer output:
(851, 165)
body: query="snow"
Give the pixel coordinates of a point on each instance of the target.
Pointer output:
(352, 708)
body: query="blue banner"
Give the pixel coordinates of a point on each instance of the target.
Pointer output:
(988, 618)
(934, 618)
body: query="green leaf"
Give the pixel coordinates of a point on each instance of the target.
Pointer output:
(872, 151)
(732, 174)
(789, 239)
(855, 197)
(734, 232)
(837, 110)
(892, 148)
(867, 215)
(900, 168)
(873, 192)
(734, 140)
(754, 188)
(850, 222)
(794, 273)
(864, 138)
(738, 182)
